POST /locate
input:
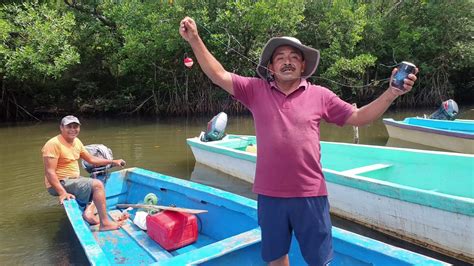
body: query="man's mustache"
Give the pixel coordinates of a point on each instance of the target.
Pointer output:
(286, 67)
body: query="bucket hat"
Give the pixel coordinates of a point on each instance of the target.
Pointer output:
(311, 55)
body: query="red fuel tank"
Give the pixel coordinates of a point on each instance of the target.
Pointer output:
(171, 229)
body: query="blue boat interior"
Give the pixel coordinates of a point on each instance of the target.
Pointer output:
(239, 142)
(459, 125)
(397, 166)
(441, 173)
(136, 186)
(228, 232)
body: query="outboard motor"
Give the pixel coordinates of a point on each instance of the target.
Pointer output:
(448, 111)
(101, 151)
(215, 128)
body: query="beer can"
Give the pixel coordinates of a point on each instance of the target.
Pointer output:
(404, 69)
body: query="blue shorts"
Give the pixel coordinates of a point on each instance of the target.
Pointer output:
(307, 217)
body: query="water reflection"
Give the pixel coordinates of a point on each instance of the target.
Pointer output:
(208, 176)
(391, 142)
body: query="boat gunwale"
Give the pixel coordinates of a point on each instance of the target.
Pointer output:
(195, 142)
(445, 132)
(433, 199)
(88, 242)
(207, 191)
(380, 247)
(217, 146)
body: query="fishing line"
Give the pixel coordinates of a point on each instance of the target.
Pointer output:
(257, 63)
(230, 48)
(353, 86)
(188, 65)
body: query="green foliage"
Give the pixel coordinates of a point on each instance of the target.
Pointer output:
(39, 42)
(5, 29)
(337, 28)
(435, 35)
(126, 56)
(242, 28)
(149, 34)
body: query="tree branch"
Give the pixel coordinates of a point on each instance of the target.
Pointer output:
(23, 109)
(93, 12)
(393, 7)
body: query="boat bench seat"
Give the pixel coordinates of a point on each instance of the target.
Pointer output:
(200, 252)
(216, 249)
(156, 251)
(364, 169)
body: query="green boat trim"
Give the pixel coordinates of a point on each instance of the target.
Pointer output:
(432, 199)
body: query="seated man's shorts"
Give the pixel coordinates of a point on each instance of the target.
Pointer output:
(80, 187)
(307, 217)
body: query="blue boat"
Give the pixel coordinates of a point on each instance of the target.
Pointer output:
(228, 232)
(453, 135)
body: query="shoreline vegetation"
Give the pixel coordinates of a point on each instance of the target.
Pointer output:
(126, 57)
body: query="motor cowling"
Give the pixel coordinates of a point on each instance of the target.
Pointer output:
(101, 151)
(447, 111)
(215, 128)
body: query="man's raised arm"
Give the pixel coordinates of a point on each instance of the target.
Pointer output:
(209, 64)
(376, 108)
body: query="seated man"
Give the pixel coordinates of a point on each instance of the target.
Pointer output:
(62, 175)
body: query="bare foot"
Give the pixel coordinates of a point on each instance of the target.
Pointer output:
(109, 225)
(90, 214)
(123, 217)
(92, 220)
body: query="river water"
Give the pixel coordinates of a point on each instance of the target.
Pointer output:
(34, 228)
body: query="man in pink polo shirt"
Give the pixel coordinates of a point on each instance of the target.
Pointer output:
(287, 110)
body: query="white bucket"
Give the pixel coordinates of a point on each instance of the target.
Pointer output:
(140, 219)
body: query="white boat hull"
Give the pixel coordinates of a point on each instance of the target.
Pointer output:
(242, 169)
(439, 230)
(444, 142)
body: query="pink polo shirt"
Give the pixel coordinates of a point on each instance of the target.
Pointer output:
(287, 128)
